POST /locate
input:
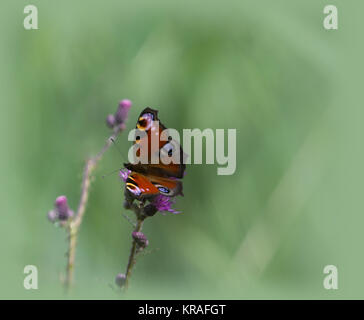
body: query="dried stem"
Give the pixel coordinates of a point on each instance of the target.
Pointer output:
(75, 224)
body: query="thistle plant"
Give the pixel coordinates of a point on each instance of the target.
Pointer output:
(142, 209)
(71, 221)
(62, 215)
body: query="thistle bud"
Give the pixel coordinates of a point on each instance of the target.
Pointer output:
(61, 210)
(61, 205)
(140, 239)
(110, 121)
(120, 280)
(52, 216)
(121, 114)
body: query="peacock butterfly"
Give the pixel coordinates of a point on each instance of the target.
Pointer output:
(149, 178)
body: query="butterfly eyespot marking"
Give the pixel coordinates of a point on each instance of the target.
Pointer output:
(163, 190)
(168, 149)
(145, 121)
(142, 122)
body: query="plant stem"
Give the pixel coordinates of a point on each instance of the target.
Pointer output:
(71, 256)
(75, 224)
(133, 254)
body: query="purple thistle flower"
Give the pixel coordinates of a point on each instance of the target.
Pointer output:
(164, 203)
(123, 174)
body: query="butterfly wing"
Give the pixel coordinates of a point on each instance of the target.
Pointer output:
(146, 123)
(164, 150)
(142, 186)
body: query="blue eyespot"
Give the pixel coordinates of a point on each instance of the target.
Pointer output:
(163, 189)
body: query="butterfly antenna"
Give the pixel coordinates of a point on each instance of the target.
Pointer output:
(110, 173)
(115, 145)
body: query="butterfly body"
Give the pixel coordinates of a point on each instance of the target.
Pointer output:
(150, 179)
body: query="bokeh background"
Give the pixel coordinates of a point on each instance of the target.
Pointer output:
(293, 91)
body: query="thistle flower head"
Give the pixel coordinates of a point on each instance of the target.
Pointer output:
(164, 203)
(123, 174)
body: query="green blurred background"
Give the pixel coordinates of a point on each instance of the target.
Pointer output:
(293, 91)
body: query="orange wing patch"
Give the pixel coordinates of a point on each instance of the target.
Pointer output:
(141, 186)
